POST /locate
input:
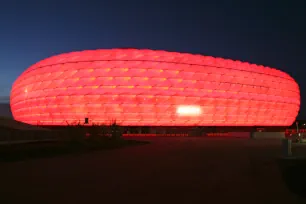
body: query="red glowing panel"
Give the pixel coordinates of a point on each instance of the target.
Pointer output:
(146, 87)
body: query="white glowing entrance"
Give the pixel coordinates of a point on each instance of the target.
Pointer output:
(188, 110)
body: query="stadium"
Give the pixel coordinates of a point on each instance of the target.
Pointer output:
(138, 87)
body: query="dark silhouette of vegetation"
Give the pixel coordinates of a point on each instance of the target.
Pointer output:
(75, 132)
(116, 130)
(74, 138)
(95, 132)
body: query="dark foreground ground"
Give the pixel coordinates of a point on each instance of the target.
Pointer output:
(45, 149)
(169, 170)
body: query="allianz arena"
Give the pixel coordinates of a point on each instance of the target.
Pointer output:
(153, 88)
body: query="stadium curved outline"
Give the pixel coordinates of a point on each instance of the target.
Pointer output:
(139, 87)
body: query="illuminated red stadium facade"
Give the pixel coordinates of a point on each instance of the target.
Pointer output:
(153, 88)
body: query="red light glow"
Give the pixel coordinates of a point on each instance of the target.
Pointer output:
(153, 88)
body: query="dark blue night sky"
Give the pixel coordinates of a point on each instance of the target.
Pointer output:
(271, 33)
